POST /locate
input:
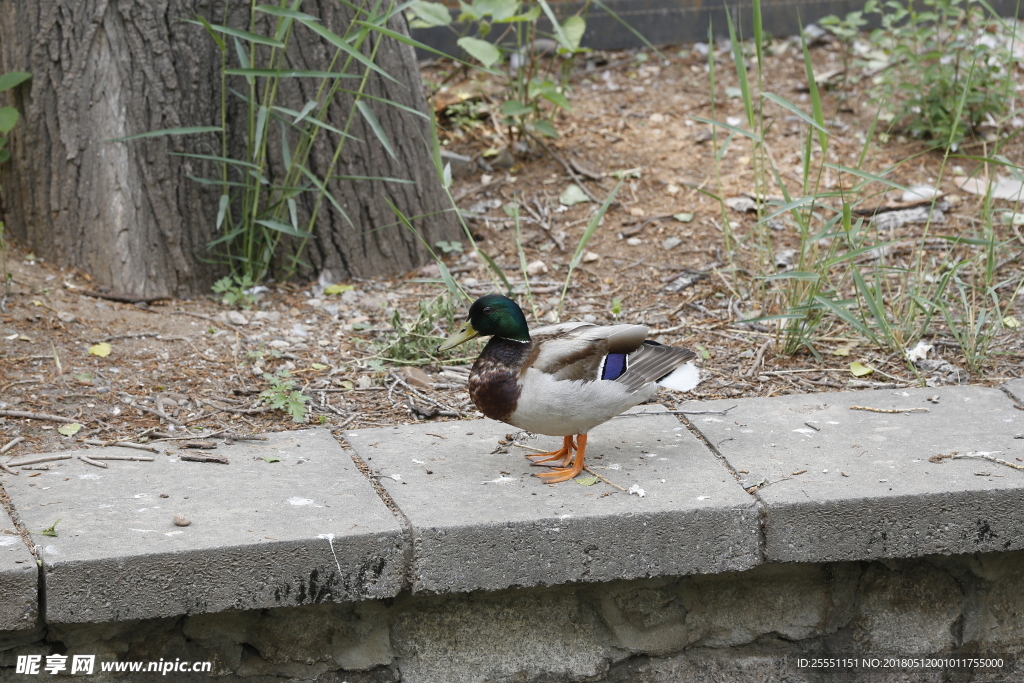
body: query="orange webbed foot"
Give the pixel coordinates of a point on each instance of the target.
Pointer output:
(566, 473)
(563, 455)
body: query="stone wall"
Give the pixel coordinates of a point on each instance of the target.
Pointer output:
(735, 626)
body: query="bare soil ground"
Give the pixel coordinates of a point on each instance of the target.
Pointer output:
(195, 368)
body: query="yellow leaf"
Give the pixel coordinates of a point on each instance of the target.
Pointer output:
(69, 429)
(102, 349)
(859, 370)
(318, 366)
(37, 302)
(841, 351)
(337, 289)
(1011, 322)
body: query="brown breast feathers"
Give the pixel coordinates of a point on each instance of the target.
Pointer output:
(493, 382)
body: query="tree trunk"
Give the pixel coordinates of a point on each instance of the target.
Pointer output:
(125, 212)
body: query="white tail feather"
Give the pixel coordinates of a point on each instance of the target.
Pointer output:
(683, 378)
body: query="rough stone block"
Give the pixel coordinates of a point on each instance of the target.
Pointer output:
(480, 521)
(19, 580)
(290, 521)
(997, 619)
(793, 601)
(909, 610)
(529, 636)
(846, 484)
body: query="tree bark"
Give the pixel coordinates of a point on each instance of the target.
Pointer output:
(125, 212)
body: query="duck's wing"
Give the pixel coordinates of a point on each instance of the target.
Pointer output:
(579, 351)
(651, 362)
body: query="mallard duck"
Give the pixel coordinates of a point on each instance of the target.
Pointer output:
(564, 380)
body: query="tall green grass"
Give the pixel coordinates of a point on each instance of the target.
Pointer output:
(848, 278)
(271, 196)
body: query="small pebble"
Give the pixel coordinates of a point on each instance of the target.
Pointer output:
(181, 520)
(537, 267)
(164, 495)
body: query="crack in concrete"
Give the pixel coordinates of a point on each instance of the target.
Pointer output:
(26, 538)
(762, 510)
(23, 532)
(1010, 395)
(382, 493)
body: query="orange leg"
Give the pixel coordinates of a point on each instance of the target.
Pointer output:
(563, 454)
(566, 473)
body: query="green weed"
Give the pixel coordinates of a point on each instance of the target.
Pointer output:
(449, 247)
(282, 395)
(938, 53)
(533, 93)
(9, 115)
(508, 43)
(236, 290)
(465, 115)
(50, 530)
(414, 341)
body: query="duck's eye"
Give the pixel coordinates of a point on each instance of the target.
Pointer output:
(487, 310)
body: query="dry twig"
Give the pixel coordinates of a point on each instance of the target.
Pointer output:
(122, 444)
(758, 357)
(36, 461)
(569, 170)
(11, 444)
(610, 483)
(119, 298)
(37, 416)
(154, 411)
(989, 457)
(131, 458)
(204, 457)
(90, 461)
(889, 410)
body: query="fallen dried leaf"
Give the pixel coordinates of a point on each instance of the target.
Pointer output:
(859, 370)
(102, 349)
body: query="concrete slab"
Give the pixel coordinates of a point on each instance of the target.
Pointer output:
(260, 533)
(848, 484)
(481, 521)
(19, 579)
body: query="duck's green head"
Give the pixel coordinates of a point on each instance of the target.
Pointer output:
(491, 315)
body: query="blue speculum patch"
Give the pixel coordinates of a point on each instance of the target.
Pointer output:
(614, 366)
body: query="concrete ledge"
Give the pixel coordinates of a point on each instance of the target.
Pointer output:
(842, 484)
(480, 520)
(19, 580)
(261, 532)
(292, 521)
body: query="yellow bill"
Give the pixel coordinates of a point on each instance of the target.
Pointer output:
(465, 333)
